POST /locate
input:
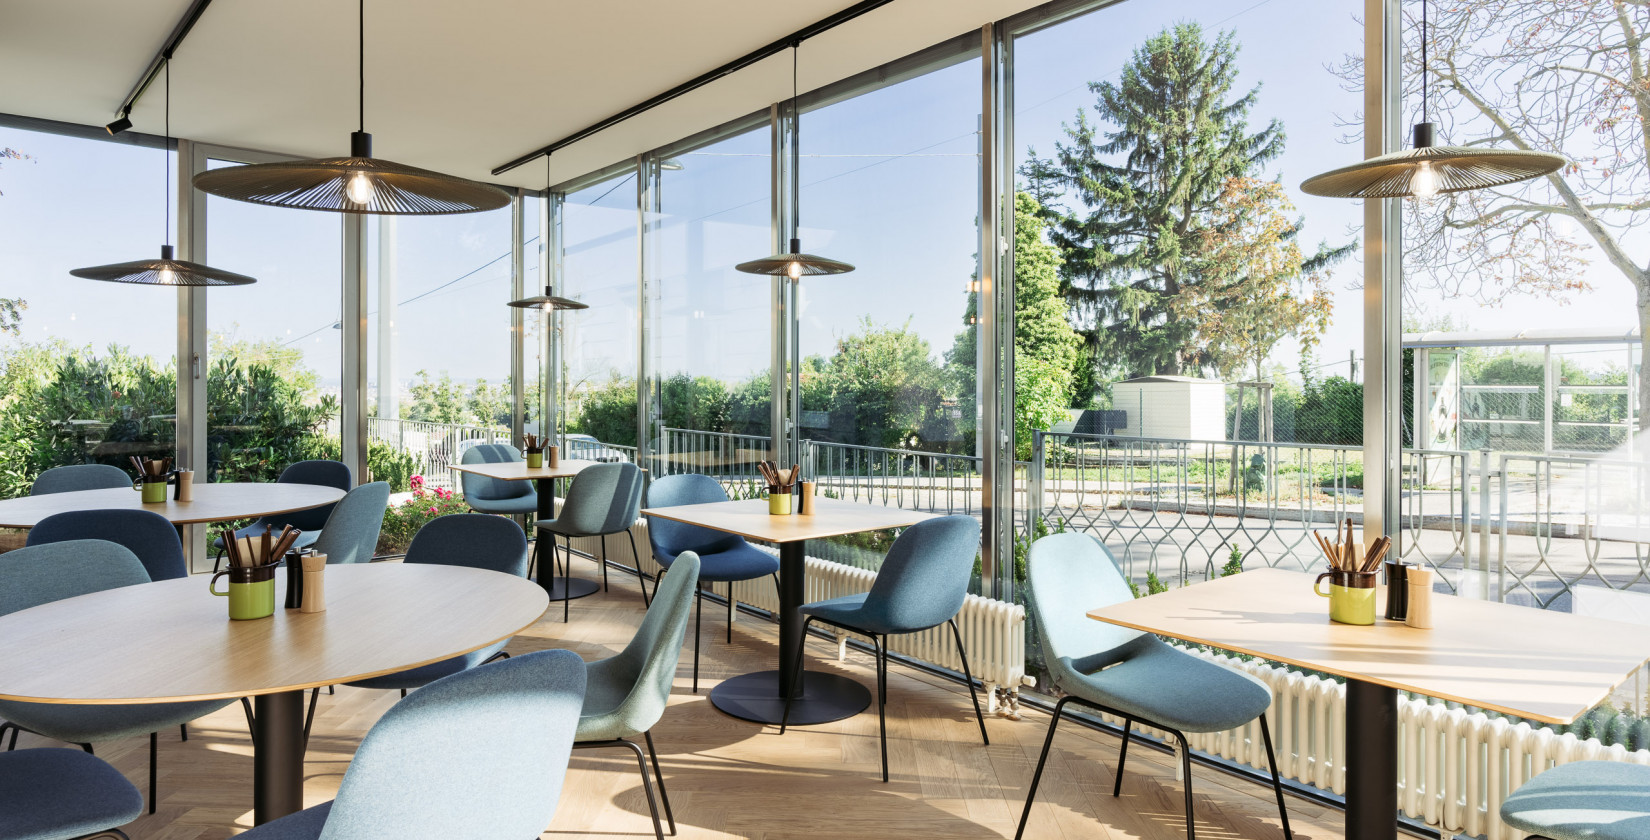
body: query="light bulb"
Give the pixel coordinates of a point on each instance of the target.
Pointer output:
(794, 270)
(168, 277)
(359, 189)
(547, 306)
(1424, 184)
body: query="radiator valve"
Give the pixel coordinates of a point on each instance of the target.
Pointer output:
(1007, 701)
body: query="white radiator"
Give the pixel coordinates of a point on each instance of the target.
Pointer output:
(993, 631)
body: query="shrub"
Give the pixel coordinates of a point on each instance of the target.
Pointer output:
(402, 521)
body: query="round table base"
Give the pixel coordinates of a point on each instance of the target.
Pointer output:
(825, 697)
(580, 587)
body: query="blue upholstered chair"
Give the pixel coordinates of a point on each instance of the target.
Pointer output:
(1126, 673)
(334, 474)
(723, 557)
(39, 574)
(603, 499)
(59, 794)
(491, 495)
(80, 477)
(145, 533)
(921, 584)
(479, 755)
(351, 532)
(1583, 800)
(625, 695)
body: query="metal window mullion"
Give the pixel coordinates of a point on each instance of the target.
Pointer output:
(647, 197)
(1383, 267)
(780, 225)
(994, 441)
(552, 272)
(353, 318)
(518, 321)
(189, 438)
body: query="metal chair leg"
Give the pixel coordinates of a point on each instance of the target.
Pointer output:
(698, 621)
(1048, 741)
(641, 578)
(3, 728)
(795, 676)
(403, 693)
(1186, 769)
(533, 559)
(882, 700)
(603, 561)
(730, 612)
(1122, 756)
(183, 729)
(969, 677)
(647, 780)
(659, 777)
(154, 746)
(566, 582)
(1277, 782)
(503, 654)
(309, 719)
(251, 719)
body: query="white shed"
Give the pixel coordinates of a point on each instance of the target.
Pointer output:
(1174, 407)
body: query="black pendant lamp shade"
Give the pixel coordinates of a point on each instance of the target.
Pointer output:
(548, 301)
(1428, 170)
(359, 183)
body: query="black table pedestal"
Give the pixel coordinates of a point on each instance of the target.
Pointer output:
(553, 585)
(278, 756)
(1371, 761)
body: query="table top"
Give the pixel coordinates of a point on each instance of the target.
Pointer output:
(750, 519)
(518, 470)
(1537, 664)
(212, 502)
(173, 640)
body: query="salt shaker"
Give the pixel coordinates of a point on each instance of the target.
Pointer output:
(315, 591)
(1420, 598)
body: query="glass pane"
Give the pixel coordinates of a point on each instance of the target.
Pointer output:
(598, 345)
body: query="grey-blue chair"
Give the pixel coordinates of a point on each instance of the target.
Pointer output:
(150, 536)
(1126, 673)
(39, 574)
(79, 477)
(603, 499)
(921, 584)
(58, 794)
(335, 474)
(479, 755)
(351, 532)
(492, 495)
(723, 557)
(625, 695)
(1583, 800)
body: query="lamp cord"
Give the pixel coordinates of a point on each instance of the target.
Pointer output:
(361, 55)
(166, 152)
(1425, 81)
(796, 149)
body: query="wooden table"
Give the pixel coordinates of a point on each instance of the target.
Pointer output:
(172, 641)
(1535, 664)
(760, 696)
(212, 503)
(544, 483)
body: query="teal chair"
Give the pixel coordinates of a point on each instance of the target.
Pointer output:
(604, 499)
(40, 574)
(351, 532)
(59, 794)
(334, 474)
(1126, 673)
(80, 477)
(145, 533)
(1583, 800)
(492, 495)
(479, 755)
(627, 694)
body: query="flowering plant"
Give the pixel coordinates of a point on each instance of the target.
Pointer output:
(402, 521)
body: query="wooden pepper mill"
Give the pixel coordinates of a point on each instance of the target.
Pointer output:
(314, 584)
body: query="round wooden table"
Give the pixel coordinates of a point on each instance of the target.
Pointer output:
(212, 503)
(173, 641)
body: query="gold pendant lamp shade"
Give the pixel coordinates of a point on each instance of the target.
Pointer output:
(548, 301)
(165, 271)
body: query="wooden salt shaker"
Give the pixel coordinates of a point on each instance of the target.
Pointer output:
(1420, 598)
(314, 584)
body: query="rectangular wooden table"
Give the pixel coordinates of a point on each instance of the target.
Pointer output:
(760, 696)
(1536, 664)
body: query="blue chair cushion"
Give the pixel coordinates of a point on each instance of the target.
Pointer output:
(304, 825)
(1163, 684)
(86, 724)
(741, 562)
(426, 674)
(1584, 800)
(508, 507)
(55, 794)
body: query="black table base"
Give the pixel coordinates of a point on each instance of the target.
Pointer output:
(278, 756)
(578, 586)
(1371, 761)
(825, 697)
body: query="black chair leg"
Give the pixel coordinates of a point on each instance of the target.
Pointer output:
(647, 780)
(183, 729)
(603, 562)
(403, 693)
(1277, 781)
(309, 719)
(88, 749)
(730, 612)
(251, 719)
(566, 582)
(882, 700)
(979, 715)
(641, 578)
(154, 746)
(503, 654)
(795, 676)
(659, 777)
(1186, 769)
(1042, 760)
(3, 728)
(1122, 756)
(698, 637)
(533, 559)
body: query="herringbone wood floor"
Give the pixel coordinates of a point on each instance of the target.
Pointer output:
(731, 779)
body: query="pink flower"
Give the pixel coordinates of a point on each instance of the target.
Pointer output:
(432, 509)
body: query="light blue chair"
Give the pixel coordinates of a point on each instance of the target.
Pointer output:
(335, 474)
(723, 557)
(80, 477)
(603, 499)
(39, 574)
(626, 695)
(58, 794)
(479, 755)
(492, 495)
(1126, 673)
(1583, 800)
(351, 532)
(921, 584)
(145, 533)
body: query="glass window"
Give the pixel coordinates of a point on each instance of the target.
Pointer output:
(599, 349)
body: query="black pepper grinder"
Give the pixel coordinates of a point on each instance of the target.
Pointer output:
(1397, 590)
(294, 580)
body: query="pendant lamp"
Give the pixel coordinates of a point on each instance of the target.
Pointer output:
(548, 300)
(794, 263)
(359, 183)
(165, 271)
(1427, 170)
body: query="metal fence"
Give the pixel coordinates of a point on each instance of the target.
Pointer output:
(435, 447)
(1572, 534)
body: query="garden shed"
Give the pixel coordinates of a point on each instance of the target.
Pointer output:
(1175, 407)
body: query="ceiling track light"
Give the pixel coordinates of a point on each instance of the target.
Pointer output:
(121, 124)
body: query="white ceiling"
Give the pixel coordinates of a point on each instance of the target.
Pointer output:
(459, 87)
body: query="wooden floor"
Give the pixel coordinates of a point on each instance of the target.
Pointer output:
(729, 778)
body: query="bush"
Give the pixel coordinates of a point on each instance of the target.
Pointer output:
(401, 522)
(384, 462)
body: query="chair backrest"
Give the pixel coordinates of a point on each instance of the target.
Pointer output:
(476, 540)
(482, 487)
(334, 474)
(143, 532)
(39, 574)
(672, 538)
(924, 579)
(351, 533)
(1068, 575)
(604, 499)
(651, 656)
(79, 477)
(480, 754)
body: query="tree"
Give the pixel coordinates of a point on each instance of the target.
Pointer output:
(885, 390)
(1045, 345)
(437, 400)
(1565, 76)
(11, 309)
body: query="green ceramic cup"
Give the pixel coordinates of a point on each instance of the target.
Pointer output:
(535, 460)
(251, 592)
(154, 492)
(1351, 596)
(779, 504)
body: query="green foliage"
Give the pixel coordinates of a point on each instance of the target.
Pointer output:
(1046, 348)
(884, 389)
(1234, 562)
(1153, 585)
(258, 421)
(437, 400)
(402, 521)
(694, 402)
(608, 412)
(384, 462)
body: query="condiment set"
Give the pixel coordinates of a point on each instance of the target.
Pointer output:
(1352, 572)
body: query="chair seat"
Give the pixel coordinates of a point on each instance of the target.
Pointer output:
(850, 611)
(55, 793)
(1595, 800)
(562, 529)
(608, 684)
(305, 539)
(742, 562)
(509, 507)
(86, 724)
(303, 825)
(426, 674)
(1165, 685)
